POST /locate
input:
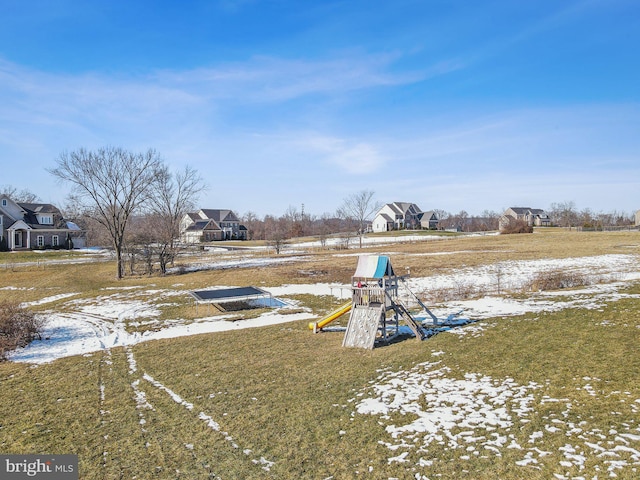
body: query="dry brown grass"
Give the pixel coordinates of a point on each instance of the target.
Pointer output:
(420, 258)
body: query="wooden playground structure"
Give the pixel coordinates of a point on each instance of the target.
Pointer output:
(376, 306)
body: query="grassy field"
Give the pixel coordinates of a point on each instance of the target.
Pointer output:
(540, 395)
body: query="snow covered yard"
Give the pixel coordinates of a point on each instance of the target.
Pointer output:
(110, 320)
(478, 416)
(81, 326)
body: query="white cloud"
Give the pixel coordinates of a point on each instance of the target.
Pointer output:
(351, 156)
(272, 79)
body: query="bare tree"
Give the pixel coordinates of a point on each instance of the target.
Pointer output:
(22, 196)
(172, 197)
(359, 207)
(443, 218)
(586, 218)
(139, 241)
(253, 225)
(488, 220)
(564, 214)
(112, 183)
(460, 220)
(324, 229)
(298, 222)
(275, 232)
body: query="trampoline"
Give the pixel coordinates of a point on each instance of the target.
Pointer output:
(253, 295)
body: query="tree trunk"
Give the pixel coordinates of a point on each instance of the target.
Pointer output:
(120, 266)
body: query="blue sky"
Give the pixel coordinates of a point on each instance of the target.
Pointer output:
(453, 105)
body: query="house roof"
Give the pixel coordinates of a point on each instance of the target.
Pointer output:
(40, 208)
(32, 210)
(32, 220)
(201, 225)
(525, 210)
(219, 215)
(406, 207)
(401, 208)
(428, 215)
(386, 217)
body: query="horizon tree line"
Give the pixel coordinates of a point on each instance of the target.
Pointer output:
(134, 203)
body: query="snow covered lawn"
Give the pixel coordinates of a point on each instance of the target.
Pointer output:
(88, 325)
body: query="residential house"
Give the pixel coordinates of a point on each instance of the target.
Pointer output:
(403, 215)
(26, 226)
(429, 220)
(534, 217)
(209, 225)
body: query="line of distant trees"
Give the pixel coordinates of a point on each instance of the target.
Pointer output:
(563, 214)
(566, 214)
(462, 221)
(133, 202)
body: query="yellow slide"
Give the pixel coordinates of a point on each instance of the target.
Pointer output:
(315, 326)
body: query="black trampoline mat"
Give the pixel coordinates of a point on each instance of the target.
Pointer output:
(228, 293)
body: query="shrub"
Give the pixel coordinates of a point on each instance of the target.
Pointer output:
(516, 226)
(557, 279)
(18, 327)
(460, 290)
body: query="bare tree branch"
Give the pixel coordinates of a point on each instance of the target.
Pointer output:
(22, 196)
(113, 184)
(359, 207)
(174, 195)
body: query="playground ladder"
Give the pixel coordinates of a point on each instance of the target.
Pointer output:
(410, 321)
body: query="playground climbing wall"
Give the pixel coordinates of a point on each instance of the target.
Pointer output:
(363, 326)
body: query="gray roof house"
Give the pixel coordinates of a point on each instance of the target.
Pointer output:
(27, 226)
(207, 225)
(429, 220)
(403, 215)
(534, 217)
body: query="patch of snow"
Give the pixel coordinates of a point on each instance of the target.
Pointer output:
(42, 301)
(98, 323)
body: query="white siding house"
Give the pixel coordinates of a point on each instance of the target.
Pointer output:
(403, 215)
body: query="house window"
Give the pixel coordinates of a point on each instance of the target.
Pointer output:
(46, 221)
(4, 202)
(40, 241)
(54, 241)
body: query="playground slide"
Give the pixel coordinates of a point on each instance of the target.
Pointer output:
(315, 326)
